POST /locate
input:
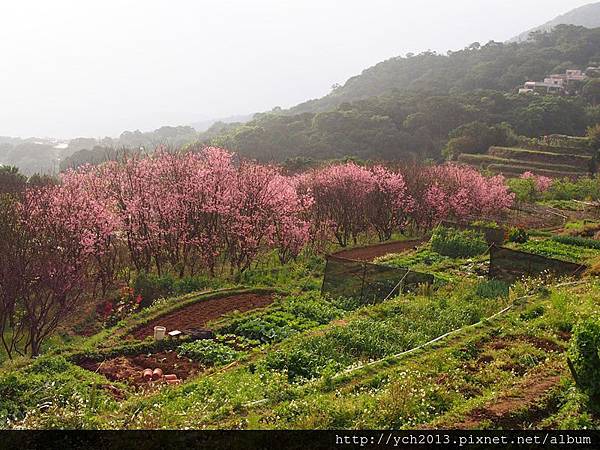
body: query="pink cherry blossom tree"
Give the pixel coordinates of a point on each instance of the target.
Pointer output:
(45, 267)
(388, 203)
(541, 183)
(340, 194)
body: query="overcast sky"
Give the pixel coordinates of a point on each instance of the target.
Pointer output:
(96, 68)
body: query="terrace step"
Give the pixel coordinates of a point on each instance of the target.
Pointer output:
(524, 155)
(581, 151)
(486, 160)
(514, 171)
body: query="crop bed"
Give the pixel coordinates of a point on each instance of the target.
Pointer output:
(130, 369)
(199, 314)
(369, 253)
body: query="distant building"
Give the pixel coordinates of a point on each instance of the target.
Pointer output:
(557, 84)
(575, 75)
(542, 87)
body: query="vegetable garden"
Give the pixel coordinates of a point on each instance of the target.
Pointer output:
(296, 317)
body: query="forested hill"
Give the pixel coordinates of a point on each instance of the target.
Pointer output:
(495, 65)
(586, 16)
(410, 107)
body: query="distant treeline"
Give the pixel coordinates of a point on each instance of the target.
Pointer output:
(38, 155)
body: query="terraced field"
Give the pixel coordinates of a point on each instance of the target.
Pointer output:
(547, 160)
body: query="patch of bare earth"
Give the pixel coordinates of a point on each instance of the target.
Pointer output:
(200, 313)
(129, 369)
(526, 396)
(371, 252)
(525, 403)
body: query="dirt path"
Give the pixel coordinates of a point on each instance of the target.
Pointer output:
(371, 252)
(199, 314)
(525, 396)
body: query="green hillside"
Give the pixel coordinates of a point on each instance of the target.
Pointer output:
(495, 65)
(409, 107)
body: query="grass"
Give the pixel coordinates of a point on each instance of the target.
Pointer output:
(567, 205)
(278, 369)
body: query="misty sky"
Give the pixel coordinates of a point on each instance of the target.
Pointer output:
(96, 68)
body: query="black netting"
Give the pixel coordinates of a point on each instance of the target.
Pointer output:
(368, 282)
(492, 235)
(510, 265)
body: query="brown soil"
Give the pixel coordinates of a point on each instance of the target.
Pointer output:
(526, 396)
(532, 220)
(130, 369)
(541, 343)
(371, 252)
(199, 314)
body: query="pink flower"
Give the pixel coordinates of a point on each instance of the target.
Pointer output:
(542, 183)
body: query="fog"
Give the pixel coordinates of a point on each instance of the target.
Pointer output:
(73, 68)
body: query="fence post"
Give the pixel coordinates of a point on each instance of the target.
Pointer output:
(573, 371)
(324, 275)
(362, 287)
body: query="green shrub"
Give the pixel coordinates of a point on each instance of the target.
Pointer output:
(585, 346)
(523, 188)
(581, 189)
(518, 235)
(151, 286)
(209, 352)
(532, 312)
(458, 243)
(485, 224)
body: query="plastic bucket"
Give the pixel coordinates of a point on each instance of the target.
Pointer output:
(159, 333)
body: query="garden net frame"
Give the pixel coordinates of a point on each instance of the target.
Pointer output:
(370, 283)
(510, 265)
